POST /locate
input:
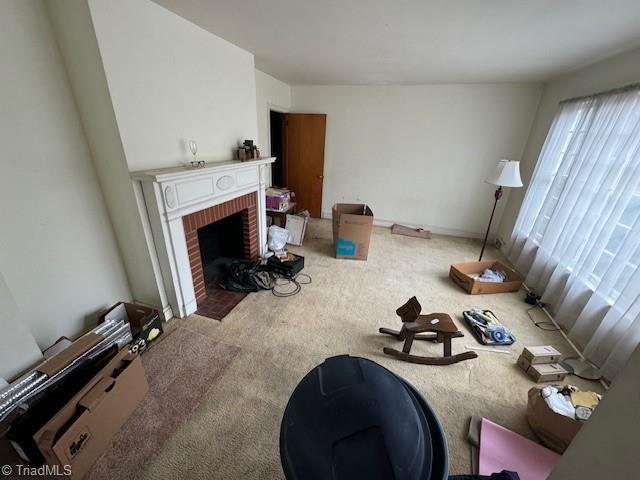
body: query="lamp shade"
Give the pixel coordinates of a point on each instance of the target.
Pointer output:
(506, 174)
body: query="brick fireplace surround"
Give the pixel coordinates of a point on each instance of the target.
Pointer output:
(192, 222)
(175, 201)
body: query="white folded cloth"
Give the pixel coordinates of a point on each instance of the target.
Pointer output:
(558, 402)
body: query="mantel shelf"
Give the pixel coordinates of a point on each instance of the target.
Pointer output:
(175, 173)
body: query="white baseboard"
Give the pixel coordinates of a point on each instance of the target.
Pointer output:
(167, 312)
(453, 232)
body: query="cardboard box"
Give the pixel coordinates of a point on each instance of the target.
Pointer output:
(297, 226)
(58, 346)
(145, 322)
(554, 430)
(461, 273)
(277, 199)
(78, 434)
(547, 372)
(50, 401)
(541, 354)
(352, 225)
(63, 358)
(523, 363)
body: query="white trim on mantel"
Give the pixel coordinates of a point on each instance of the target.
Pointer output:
(172, 193)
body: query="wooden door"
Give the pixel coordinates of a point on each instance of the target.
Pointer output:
(304, 159)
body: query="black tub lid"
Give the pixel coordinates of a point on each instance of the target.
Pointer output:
(350, 418)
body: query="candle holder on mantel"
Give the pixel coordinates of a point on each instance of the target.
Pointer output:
(193, 146)
(248, 151)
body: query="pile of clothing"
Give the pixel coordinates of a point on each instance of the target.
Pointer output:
(487, 328)
(490, 275)
(570, 402)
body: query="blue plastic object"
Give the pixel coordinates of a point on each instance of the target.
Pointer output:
(499, 334)
(350, 418)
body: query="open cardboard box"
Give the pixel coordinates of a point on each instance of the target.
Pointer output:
(352, 226)
(78, 434)
(554, 429)
(461, 273)
(145, 322)
(19, 427)
(65, 357)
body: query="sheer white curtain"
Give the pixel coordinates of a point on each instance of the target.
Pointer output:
(577, 236)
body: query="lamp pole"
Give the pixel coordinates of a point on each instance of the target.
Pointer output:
(497, 195)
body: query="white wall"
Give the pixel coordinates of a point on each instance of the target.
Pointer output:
(146, 81)
(171, 81)
(18, 348)
(74, 32)
(57, 249)
(611, 73)
(271, 94)
(419, 154)
(607, 445)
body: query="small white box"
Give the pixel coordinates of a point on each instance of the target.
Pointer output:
(547, 372)
(541, 354)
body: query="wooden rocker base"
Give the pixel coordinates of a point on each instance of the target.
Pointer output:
(448, 360)
(429, 337)
(434, 327)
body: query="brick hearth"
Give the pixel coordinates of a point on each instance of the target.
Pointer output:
(245, 204)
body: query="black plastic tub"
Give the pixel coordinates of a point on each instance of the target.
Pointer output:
(350, 418)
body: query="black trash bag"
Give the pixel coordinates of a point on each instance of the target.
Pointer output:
(240, 277)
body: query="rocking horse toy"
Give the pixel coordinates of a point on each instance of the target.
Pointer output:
(439, 328)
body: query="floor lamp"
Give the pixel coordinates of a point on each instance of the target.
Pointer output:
(506, 174)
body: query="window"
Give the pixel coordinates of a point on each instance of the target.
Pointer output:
(577, 236)
(583, 204)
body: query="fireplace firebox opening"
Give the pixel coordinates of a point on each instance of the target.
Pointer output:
(214, 236)
(220, 243)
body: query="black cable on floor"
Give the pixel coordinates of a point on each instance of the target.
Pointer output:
(304, 275)
(283, 281)
(540, 325)
(297, 284)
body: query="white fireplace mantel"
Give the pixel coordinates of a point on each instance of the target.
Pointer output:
(171, 193)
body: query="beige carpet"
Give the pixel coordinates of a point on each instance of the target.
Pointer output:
(233, 434)
(176, 388)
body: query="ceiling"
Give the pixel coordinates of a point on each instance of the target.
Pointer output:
(338, 42)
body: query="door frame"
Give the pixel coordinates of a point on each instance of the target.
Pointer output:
(275, 108)
(280, 109)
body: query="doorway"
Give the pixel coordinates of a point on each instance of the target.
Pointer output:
(276, 124)
(304, 139)
(297, 142)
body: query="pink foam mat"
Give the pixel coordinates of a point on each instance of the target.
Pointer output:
(502, 449)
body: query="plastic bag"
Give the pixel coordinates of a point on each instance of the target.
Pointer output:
(277, 238)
